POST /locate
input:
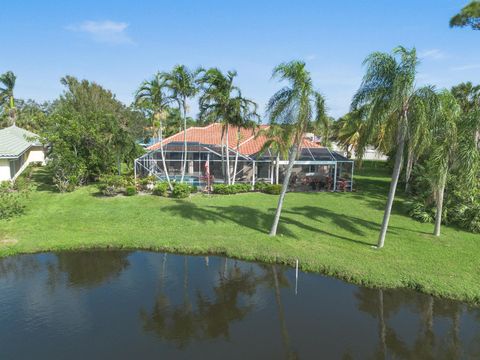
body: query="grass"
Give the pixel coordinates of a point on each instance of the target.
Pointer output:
(331, 233)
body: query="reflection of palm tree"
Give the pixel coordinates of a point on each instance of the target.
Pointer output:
(208, 319)
(289, 354)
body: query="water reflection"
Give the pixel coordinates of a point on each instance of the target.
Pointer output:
(90, 269)
(139, 304)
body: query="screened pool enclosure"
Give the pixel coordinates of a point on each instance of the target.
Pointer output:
(316, 169)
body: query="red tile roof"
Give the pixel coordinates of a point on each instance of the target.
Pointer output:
(212, 134)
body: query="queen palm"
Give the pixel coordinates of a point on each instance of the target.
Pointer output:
(7, 84)
(181, 83)
(297, 104)
(279, 141)
(453, 147)
(151, 97)
(391, 99)
(221, 101)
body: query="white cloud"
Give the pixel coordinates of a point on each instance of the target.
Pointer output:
(107, 31)
(433, 54)
(466, 67)
(310, 57)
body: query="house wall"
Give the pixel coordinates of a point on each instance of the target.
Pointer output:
(4, 169)
(36, 154)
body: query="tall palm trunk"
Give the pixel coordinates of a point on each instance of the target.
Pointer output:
(277, 168)
(162, 153)
(184, 167)
(393, 185)
(236, 157)
(228, 156)
(438, 213)
(223, 155)
(286, 180)
(408, 169)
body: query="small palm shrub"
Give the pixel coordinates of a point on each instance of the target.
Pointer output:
(160, 189)
(181, 190)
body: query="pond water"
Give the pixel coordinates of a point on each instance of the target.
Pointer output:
(127, 305)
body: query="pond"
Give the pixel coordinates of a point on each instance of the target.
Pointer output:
(126, 305)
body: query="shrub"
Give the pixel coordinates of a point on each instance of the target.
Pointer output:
(161, 189)
(193, 189)
(11, 203)
(273, 189)
(147, 183)
(111, 185)
(181, 190)
(130, 190)
(261, 186)
(223, 189)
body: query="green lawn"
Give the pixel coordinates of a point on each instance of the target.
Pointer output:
(332, 233)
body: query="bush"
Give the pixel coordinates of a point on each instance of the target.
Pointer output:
(181, 190)
(161, 189)
(223, 189)
(130, 190)
(11, 203)
(261, 186)
(273, 189)
(147, 183)
(111, 185)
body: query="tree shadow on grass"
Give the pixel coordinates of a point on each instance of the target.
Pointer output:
(241, 215)
(255, 219)
(353, 224)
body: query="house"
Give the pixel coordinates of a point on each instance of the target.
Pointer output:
(18, 149)
(316, 167)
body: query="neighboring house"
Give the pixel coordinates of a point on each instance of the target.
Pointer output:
(316, 167)
(18, 148)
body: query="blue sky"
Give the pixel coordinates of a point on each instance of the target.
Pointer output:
(120, 43)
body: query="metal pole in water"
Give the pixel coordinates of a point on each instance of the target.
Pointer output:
(296, 276)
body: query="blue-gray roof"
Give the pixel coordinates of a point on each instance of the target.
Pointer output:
(14, 141)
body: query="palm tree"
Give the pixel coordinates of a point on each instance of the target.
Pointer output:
(299, 105)
(7, 84)
(453, 147)
(348, 129)
(181, 83)
(391, 99)
(279, 141)
(222, 101)
(151, 97)
(243, 115)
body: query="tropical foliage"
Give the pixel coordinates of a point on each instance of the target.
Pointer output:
(89, 133)
(468, 16)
